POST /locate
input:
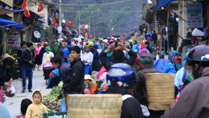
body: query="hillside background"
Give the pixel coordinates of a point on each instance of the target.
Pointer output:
(105, 20)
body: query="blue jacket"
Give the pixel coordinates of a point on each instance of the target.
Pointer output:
(66, 52)
(135, 48)
(169, 68)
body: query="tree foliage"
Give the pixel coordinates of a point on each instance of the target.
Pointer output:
(105, 20)
(49, 36)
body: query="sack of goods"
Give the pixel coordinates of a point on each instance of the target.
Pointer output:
(94, 106)
(160, 90)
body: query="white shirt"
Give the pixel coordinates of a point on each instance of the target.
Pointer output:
(87, 57)
(78, 44)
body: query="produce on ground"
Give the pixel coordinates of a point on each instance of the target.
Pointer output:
(47, 99)
(56, 91)
(52, 106)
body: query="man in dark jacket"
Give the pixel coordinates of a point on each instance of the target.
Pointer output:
(27, 66)
(64, 71)
(19, 54)
(95, 65)
(118, 56)
(140, 91)
(193, 101)
(154, 37)
(74, 82)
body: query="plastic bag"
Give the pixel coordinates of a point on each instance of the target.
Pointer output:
(63, 106)
(145, 110)
(10, 91)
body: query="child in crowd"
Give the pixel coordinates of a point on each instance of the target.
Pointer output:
(87, 59)
(36, 109)
(24, 106)
(137, 65)
(92, 86)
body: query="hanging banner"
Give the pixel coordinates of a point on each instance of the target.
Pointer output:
(13, 41)
(194, 15)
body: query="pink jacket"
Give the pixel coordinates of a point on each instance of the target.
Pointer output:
(37, 51)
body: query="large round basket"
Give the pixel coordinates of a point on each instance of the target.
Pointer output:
(94, 106)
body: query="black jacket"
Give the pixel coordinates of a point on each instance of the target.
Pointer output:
(5, 75)
(64, 72)
(140, 92)
(95, 65)
(27, 55)
(42, 53)
(108, 64)
(154, 37)
(131, 107)
(75, 80)
(19, 54)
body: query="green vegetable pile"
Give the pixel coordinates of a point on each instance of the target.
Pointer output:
(47, 99)
(56, 91)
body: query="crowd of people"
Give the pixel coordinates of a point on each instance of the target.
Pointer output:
(121, 67)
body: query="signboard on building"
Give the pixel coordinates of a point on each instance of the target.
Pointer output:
(13, 41)
(194, 15)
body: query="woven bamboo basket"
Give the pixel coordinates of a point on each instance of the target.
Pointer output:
(94, 106)
(160, 90)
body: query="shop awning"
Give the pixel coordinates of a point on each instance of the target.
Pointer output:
(8, 11)
(161, 3)
(9, 23)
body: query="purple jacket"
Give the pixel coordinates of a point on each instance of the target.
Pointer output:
(193, 101)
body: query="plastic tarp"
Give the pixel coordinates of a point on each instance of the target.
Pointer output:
(8, 11)
(197, 32)
(4, 22)
(149, 35)
(161, 3)
(160, 64)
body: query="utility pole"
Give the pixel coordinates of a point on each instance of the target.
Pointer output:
(89, 25)
(79, 19)
(60, 20)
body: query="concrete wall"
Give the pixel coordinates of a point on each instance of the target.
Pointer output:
(182, 29)
(10, 3)
(34, 7)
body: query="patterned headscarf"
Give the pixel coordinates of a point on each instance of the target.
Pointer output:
(173, 54)
(56, 46)
(185, 59)
(106, 44)
(175, 61)
(47, 49)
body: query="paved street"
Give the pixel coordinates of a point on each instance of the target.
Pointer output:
(13, 104)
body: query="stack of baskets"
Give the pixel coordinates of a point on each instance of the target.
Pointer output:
(94, 106)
